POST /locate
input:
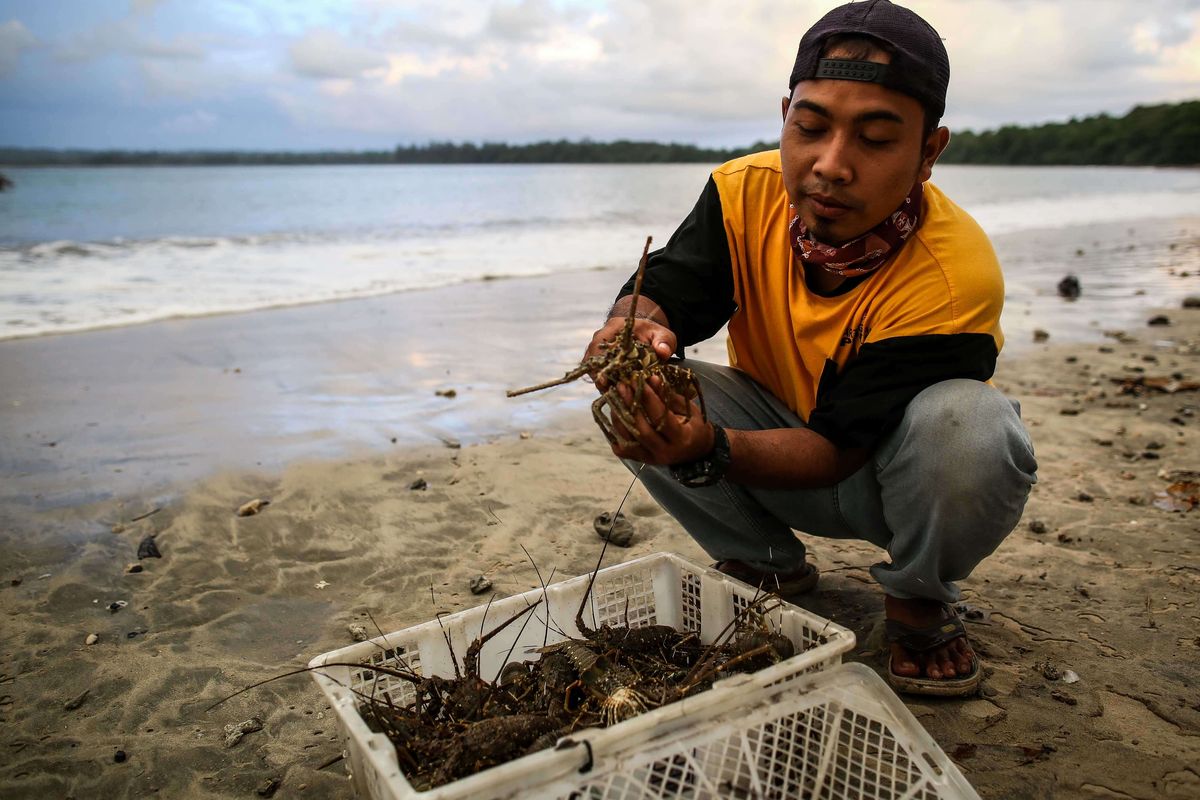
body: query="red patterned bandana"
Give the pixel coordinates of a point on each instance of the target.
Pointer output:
(866, 253)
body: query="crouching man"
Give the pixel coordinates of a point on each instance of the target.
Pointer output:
(863, 310)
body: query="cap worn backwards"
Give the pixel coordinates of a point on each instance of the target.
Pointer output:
(919, 65)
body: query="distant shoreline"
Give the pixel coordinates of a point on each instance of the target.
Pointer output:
(1147, 136)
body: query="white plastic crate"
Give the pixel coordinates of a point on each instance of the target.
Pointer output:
(659, 589)
(840, 734)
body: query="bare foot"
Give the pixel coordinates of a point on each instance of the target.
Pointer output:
(952, 660)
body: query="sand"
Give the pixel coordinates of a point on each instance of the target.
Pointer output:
(1096, 579)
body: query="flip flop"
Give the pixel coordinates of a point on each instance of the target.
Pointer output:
(799, 581)
(924, 639)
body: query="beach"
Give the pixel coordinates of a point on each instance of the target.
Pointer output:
(396, 472)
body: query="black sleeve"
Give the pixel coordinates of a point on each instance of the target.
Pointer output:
(867, 400)
(692, 277)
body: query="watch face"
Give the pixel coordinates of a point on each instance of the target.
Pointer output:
(708, 470)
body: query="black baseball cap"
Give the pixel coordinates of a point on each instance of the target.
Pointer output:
(919, 66)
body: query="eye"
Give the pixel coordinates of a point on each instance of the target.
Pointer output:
(809, 132)
(867, 140)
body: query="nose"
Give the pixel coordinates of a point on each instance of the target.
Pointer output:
(833, 164)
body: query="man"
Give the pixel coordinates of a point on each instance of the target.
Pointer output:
(863, 309)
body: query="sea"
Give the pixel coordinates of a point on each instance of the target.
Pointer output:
(85, 248)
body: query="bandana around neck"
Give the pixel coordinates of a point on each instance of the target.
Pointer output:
(865, 253)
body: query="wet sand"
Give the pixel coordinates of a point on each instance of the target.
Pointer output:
(180, 423)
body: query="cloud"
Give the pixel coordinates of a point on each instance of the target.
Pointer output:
(191, 122)
(124, 37)
(705, 71)
(14, 38)
(324, 53)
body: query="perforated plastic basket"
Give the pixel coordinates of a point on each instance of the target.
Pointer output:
(841, 734)
(659, 589)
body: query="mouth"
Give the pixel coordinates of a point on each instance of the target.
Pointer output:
(824, 205)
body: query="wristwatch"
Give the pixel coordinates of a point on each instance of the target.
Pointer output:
(707, 470)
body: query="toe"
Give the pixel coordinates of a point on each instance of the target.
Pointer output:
(932, 668)
(903, 664)
(946, 664)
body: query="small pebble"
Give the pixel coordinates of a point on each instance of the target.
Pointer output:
(480, 584)
(234, 733)
(269, 786)
(118, 528)
(1037, 526)
(526, 435)
(91, 639)
(418, 485)
(134, 568)
(449, 393)
(1063, 697)
(252, 507)
(1084, 497)
(1048, 670)
(619, 531)
(117, 605)
(1191, 302)
(120, 756)
(16, 581)
(357, 632)
(1040, 335)
(1159, 319)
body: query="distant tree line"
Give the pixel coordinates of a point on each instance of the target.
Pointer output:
(550, 152)
(1159, 135)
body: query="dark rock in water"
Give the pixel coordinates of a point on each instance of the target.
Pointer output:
(1191, 302)
(418, 484)
(1159, 319)
(1069, 287)
(480, 584)
(619, 531)
(147, 548)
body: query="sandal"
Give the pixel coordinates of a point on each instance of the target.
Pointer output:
(922, 640)
(799, 581)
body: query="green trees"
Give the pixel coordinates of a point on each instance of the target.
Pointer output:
(1158, 135)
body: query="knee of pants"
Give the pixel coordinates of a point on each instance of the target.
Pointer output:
(965, 438)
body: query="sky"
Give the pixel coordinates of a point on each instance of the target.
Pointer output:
(371, 74)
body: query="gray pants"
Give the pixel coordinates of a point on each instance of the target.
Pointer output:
(939, 493)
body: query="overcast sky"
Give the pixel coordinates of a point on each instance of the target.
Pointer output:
(276, 74)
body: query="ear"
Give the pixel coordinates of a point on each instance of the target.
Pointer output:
(785, 104)
(934, 146)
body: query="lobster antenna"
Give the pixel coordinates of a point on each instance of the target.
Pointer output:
(592, 580)
(627, 331)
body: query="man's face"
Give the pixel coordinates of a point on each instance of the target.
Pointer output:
(851, 152)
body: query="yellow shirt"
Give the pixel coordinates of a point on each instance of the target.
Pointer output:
(848, 363)
(944, 280)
